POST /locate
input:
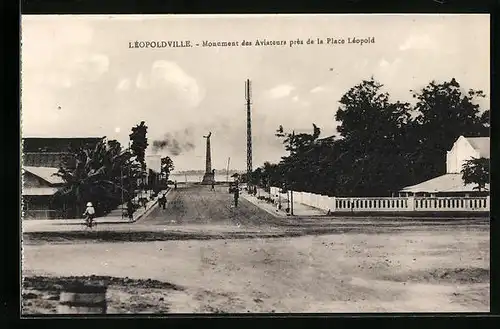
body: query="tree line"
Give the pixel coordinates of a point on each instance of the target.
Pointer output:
(108, 174)
(382, 145)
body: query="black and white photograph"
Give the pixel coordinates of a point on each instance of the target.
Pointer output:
(208, 164)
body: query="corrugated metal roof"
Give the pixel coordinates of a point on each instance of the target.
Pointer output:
(39, 191)
(444, 183)
(480, 144)
(45, 173)
(56, 144)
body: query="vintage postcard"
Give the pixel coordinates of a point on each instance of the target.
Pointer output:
(255, 164)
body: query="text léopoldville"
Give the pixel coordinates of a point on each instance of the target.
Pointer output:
(331, 41)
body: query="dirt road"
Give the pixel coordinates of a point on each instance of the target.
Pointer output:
(200, 205)
(288, 265)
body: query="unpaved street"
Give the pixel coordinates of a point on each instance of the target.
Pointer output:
(200, 205)
(246, 260)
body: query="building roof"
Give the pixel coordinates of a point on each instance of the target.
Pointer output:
(45, 173)
(444, 183)
(481, 145)
(57, 144)
(39, 191)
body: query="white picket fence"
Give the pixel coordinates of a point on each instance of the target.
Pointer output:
(392, 204)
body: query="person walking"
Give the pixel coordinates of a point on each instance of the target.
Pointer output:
(130, 210)
(163, 201)
(89, 214)
(236, 196)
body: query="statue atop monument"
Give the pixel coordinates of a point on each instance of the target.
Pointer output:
(209, 176)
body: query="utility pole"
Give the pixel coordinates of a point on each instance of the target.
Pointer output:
(248, 96)
(227, 170)
(121, 178)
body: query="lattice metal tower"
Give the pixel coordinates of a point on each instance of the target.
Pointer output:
(248, 96)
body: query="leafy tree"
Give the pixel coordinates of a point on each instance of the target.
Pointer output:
(383, 145)
(270, 175)
(367, 116)
(167, 166)
(299, 161)
(139, 140)
(476, 171)
(444, 111)
(373, 146)
(257, 177)
(98, 175)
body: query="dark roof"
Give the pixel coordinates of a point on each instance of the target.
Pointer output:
(57, 144)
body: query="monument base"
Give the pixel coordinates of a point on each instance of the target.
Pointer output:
(208, 179)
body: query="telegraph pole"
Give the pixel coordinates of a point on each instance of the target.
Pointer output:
(248, 96)
(121, 178)
(227, 170)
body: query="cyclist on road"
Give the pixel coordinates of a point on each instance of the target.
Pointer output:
(89, 214)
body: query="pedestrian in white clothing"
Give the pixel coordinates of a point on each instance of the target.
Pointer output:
(89, 214)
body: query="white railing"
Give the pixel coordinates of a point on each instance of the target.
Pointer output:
(368, 204)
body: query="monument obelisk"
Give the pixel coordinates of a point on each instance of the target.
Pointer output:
(208, 178)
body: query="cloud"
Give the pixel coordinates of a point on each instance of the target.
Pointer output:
(423, 41)
(123, 84)
(89, 68)
(169, 75)
(281, 91)
(383, 63)
(317, 89)
(141, 81)
(295, 98)
(44, 43)
(67, 72)
(388, 71)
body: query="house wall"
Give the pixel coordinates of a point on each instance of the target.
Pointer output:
(456, 157)
(41, 207)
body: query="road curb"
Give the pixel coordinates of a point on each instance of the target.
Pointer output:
(255, 203)
(150, 209)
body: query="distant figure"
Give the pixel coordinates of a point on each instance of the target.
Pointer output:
(130, 210)
(89, 214)
(175, 185)
(236, 196)
(213, 186)
(163, 201)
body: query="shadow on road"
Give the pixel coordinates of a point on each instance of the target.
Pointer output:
(64, 237)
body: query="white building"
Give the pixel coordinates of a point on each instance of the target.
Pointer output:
(464, 148)
(153, 162)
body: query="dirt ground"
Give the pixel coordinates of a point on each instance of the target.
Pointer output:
(418, 269)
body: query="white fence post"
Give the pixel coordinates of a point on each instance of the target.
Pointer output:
(411, 203)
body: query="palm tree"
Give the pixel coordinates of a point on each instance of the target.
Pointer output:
(95, 176)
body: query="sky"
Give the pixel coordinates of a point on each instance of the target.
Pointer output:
(80, 78)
